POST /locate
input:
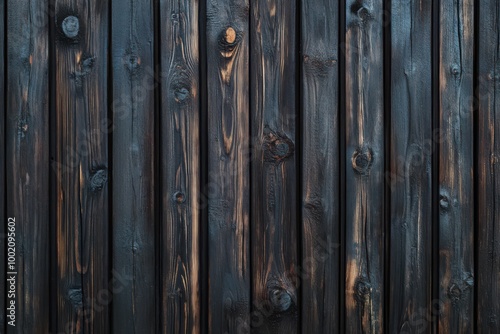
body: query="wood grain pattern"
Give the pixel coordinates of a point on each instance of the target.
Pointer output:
(273, 93)
(27, 160)
(228, 166)
(320, 167)
(456, 202)
(410, 178)
(364, 167)
(133, 185)
(488, 163)
(81, 165)
(180, 163)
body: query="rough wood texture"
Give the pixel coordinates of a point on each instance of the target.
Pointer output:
(133, 183)
(27, 160)
(228, 166)
(364, 167)
(273, 93)
(410, 174)
(320, 168)
(81, 165)
(179, 161)
(488, 156)
(456, 207)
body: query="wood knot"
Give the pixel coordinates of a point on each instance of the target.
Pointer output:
(132, 63)
(359, 9)
(455, 70)
(362, 289)
(277, 147)
(70, 26)
(98, 179)
(444, 202)
(22, 128)
(230, 35)
(454, 292)
(179, 197)
(228, 41)
(75, 297)
(181, 94)
(280, 299)
(362, 160)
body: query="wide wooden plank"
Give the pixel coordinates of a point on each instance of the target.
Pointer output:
(179, 162)
(228, 165)
(364, 167)
(3, 214)
(456, 202)
(410, 175)
(488, 164)
(81, 165)
(27, 161)
(320, 167)
(274, 94)
(133, 185)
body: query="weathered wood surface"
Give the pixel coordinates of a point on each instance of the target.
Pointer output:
(456, 187)
(409, 175)
(81, 165)
(320, 166)
(27, 160)
(488, 168)
(273, 96)
(228, 166)
(180, 167)
(364, 167)
(133, 164)
(236, 166)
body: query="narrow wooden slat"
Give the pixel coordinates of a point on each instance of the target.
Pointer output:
(179, 161)
(364, 167)
(27, 160)
(488, 156)
(81, 165)
(133, 223)
(228, 166)
(273, 96)
(456, 207)
(320, 167)
(410, 177)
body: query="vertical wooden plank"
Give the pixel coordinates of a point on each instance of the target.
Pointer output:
(133, 223)
(320, 167)
(410, 177)
(180, 159)
(3, 213)
(228, 165)
(456, 200)
(364, 167)
(81, 164)
(27, 161)
(273, 96)
(488, 156)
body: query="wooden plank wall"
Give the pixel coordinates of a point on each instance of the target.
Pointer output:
(250, 166)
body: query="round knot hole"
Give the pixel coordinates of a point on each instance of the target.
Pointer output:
(362, 160)
(179, 197)
(71, 26)
(280, 299)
